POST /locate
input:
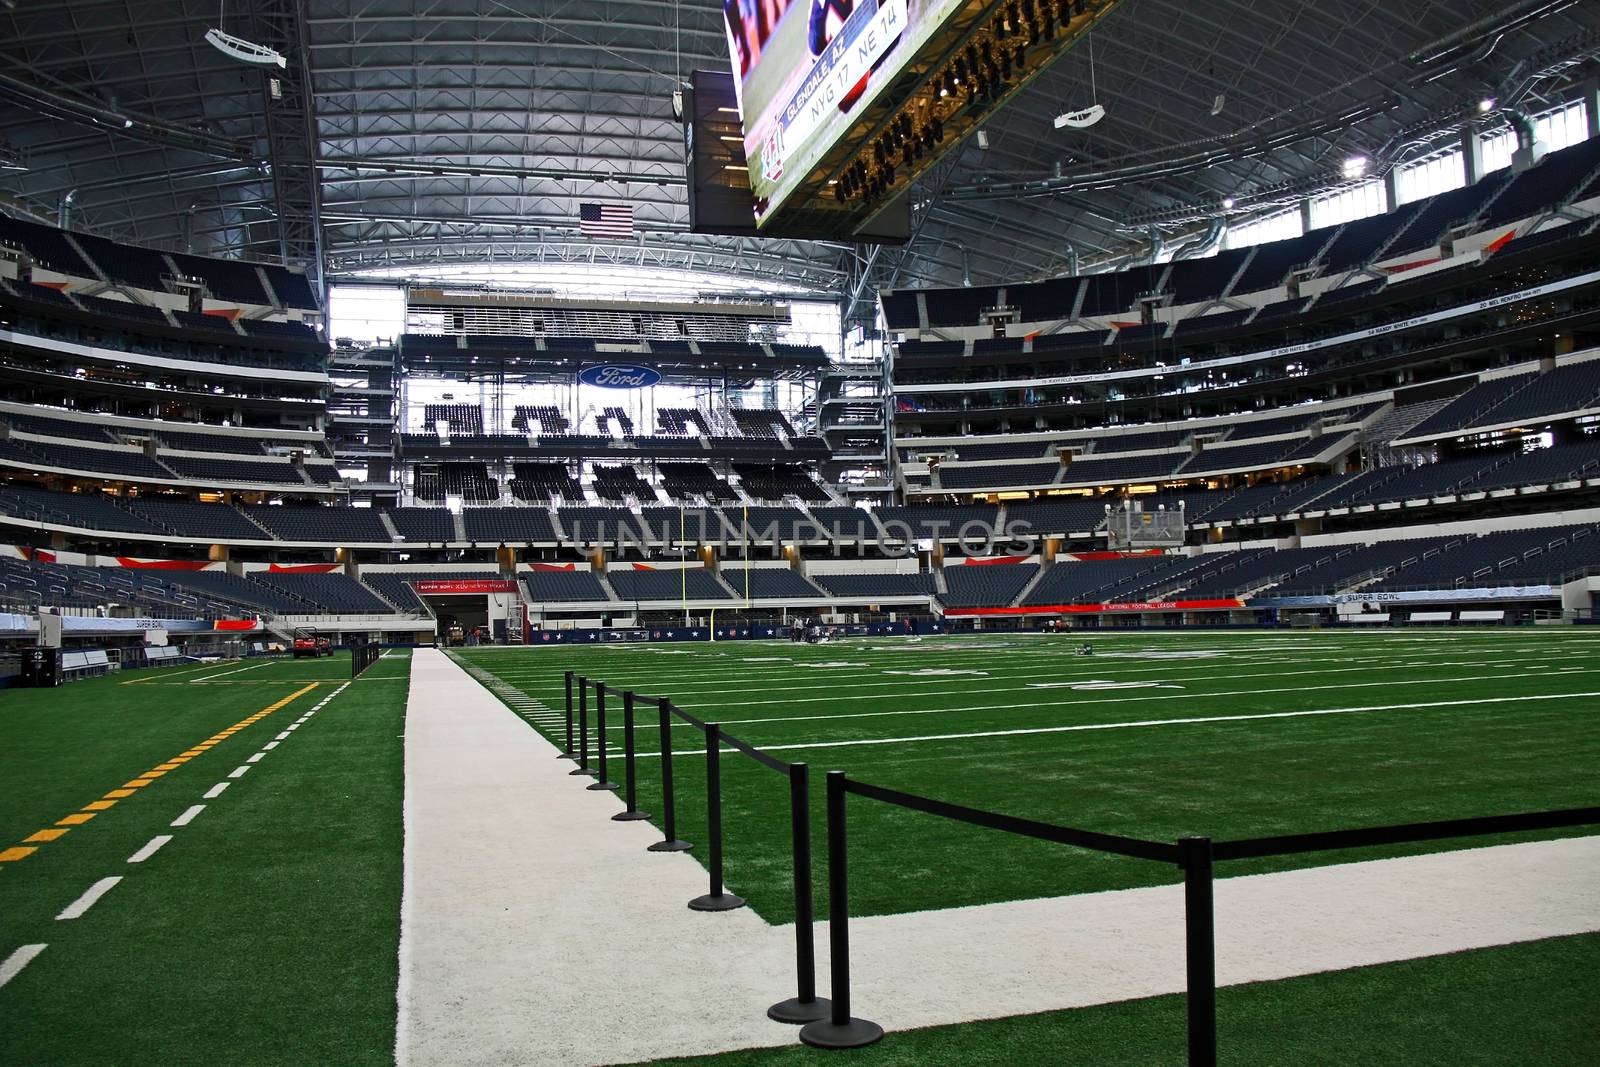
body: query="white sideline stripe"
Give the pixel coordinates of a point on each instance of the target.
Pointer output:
(1141, 722)
(85, 902)
(150, 849)
(224, 674)
(255, 757)
(238, 772)
(270, 745)
(188, 816)
(281, 736)
(18, 960)
(216, 791)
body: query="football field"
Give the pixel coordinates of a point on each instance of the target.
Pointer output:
(1154, 735)
(202, 865)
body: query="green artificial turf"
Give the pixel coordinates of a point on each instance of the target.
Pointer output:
(1531, 1004)
(267, 930)
(1224, 779)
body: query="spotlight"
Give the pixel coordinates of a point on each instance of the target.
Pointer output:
(1486, 105)
(1355, 166)
(1227, 203)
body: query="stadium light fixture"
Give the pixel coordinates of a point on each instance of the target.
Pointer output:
(1486, 105)
(244, 51)
(1082, 119)
(1355, 166)
(1227, 203)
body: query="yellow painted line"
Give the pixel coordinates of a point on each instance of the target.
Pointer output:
(43, 836)
(89, 810)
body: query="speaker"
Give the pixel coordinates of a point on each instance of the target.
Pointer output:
(41, 668)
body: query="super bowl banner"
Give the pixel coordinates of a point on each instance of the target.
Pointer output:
(804, 69)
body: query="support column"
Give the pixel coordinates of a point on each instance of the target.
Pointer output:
(1472, 153)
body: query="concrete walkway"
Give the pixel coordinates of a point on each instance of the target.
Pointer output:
(536, 932)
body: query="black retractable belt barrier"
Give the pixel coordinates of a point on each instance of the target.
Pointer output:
(805, 1006)
(566, 753)
(600, 736)
(669, 804)
(716, 899)
(839, 1030)
(631, 812)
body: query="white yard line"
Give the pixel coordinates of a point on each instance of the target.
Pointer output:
(1194, 721)
(216, 791)
(1154, 676)
(224, 674)
(150, 849)
(17, 960)
(1143, 696)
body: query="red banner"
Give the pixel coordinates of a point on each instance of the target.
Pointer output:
(1096, 609)
(552, 566)
(446, 586)
(232, 625)
(304, 568)
(163, 564)
(978, 561)
(1091, 556)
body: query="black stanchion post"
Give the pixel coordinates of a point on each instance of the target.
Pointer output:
(805, 1006)
(630, 796)
(839, 1030)
(566, 753)
(583, 728)
(1194, 856)
(669, 804)
(600, 742)
(716, 899)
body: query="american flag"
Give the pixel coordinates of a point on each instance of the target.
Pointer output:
(605, 220)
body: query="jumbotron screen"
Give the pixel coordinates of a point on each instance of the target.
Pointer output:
(805, 68)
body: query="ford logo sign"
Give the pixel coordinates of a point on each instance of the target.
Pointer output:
(619, 376)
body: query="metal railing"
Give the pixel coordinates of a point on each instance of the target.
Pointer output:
(828, 1022)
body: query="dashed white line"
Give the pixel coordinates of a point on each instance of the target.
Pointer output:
(90, 895)
(17, 960)
(216, 791)
(188, 816)
(238, 772)
(281, 736)
(270, 745)
(254, 758)
(150, 849)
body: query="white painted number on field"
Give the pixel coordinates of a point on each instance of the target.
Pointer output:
(1101, 683)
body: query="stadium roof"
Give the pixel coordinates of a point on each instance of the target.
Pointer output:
(468, 131)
